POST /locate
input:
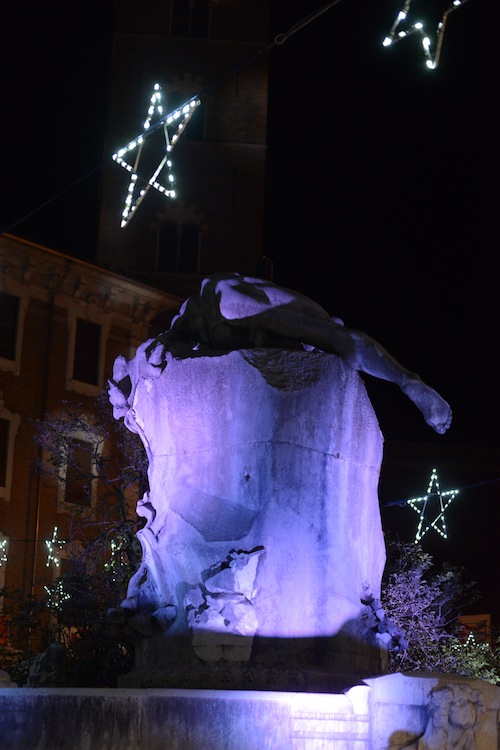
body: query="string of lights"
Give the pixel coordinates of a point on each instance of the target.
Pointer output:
(180, 117)
(432, 506)
(131, 205)
(46, 203)
(183, 114)
(3, 551)
(421, 505)
(431, 59)
(53, 546)
(402, 502)
(278, 40)
(117, 547)
(56, 595)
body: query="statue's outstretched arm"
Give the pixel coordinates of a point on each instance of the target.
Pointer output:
(228, 302)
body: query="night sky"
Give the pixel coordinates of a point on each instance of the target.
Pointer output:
(382, 204)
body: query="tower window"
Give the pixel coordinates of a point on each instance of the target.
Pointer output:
(191, 18)
(167, 250)
(179, 247)
(189, 248)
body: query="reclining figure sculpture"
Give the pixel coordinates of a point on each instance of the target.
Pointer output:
(233, 311)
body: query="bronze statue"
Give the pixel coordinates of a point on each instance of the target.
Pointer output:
(238, 312)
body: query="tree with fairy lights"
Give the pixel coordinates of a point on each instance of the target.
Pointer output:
(99, 469)
(424, 602)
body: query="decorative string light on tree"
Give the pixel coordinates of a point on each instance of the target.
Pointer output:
(176, 121)
(432, 59)
(3, 551)
(56, 595)
(53, 546)
(434, 503)
(116, 562)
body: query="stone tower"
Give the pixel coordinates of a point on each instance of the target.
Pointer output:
(216, 221)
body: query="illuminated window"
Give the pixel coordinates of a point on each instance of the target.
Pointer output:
(179, 247)
(9, 316)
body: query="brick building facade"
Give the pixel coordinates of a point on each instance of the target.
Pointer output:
(54, 307)
(62, 324)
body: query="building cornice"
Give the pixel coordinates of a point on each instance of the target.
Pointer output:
(52, 276)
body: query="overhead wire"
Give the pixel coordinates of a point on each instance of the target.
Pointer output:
(277, 41)
(403, 502)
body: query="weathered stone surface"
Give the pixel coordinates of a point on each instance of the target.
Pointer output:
(262, 514)
(404, 713)
(386, 713)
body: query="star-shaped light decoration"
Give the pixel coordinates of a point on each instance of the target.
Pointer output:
(53, 546)
(176, 121)
(395, 35)
(433, 503)
(3, 551)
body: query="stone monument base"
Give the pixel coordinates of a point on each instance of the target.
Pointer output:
(384, 713)
(318, 665)
(263, 538)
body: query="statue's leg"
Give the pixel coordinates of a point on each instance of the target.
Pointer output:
(364, 354)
